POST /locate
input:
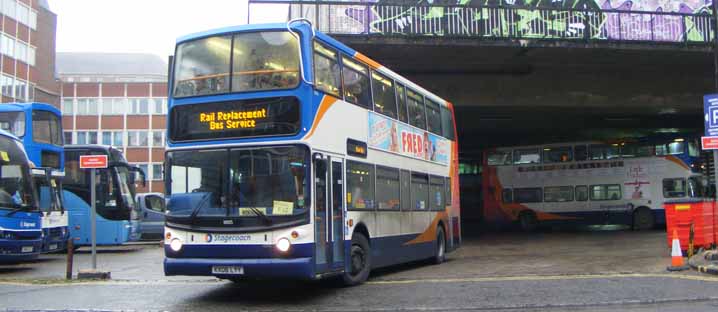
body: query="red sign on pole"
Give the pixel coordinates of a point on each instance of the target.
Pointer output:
(93, 161)
(709, 143)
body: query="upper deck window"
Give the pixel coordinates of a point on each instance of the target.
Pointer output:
(13, 122)
(258, 61)
(327, 73)
(46, 128)
(356, 83)
(202, 67)
(265, 61)
(417, 115)
(384, 100)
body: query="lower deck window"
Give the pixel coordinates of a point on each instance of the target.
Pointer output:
(360, 185)
(673, 188)
(605, 192)
(387, 188)
(528, 195)
(420, 191)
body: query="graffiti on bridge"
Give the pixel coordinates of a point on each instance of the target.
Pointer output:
(637, 20)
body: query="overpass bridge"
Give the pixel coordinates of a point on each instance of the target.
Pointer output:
(528, 74)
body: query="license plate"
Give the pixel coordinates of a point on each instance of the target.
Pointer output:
(27, 249)
(53, 246)
(227, 269)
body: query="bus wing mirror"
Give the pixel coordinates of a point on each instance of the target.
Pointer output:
(138, 170)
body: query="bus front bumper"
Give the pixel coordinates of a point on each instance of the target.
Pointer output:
(292, 268)
(12, 251)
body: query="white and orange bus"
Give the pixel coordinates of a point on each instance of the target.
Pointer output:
(586, 183)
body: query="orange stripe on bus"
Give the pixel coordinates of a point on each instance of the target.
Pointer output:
(326, 103)
(678, 161)
(429, 235)
(373, 64)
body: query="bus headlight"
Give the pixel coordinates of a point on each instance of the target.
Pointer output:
(283, 244)
(176, 244)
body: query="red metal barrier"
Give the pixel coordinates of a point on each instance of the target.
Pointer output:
(702, 214)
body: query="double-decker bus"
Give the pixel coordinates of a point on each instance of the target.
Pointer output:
(292, 155)
(39, 127)
(585, 183)
(117, 212)
(20, 225)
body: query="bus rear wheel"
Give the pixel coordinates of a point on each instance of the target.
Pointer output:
(359, 261)
(440, 253)
(643, 219)
(528, 221)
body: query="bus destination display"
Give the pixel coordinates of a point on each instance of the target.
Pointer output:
(235, 119)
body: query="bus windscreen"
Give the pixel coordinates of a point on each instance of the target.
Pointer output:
(235, 119)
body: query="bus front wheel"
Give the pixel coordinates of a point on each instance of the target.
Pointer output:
(359, 261)
(643, 219)
(440, 253)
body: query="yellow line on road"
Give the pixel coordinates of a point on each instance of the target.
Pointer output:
(545, 278)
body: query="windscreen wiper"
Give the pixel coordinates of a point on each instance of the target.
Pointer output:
(261, 215)
(18, 209)
(201, 205)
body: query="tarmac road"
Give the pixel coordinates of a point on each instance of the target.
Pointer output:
(565, 271)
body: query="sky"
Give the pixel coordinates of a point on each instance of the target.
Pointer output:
(145, 26)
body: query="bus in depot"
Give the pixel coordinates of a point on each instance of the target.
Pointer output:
(293, 156)
(39, 126)
(584, 183)
(118, 218)
(20, 225)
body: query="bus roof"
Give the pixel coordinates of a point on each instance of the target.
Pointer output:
(324, 38)
(18, 107)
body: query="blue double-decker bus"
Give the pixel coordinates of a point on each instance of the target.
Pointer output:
(20, 225)
(293, 156)
(39, 126)
(117, 212)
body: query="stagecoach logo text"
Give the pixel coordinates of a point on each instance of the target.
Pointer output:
(226, 238)
(232, 119)
(591, 165)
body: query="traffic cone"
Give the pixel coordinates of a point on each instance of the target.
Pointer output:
(677, 263)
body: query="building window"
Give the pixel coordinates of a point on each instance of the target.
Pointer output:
(159, 106)
(138, 106)
(68, 137)
(20, 90)
(136, 138)
(7, 86)
(157, 172)
(86, 137)
(157, 140)
(7, 45)
(67, 107)
(9, 8)
(87, 106)
(113, 106)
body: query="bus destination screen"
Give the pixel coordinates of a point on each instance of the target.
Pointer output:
(235, 119)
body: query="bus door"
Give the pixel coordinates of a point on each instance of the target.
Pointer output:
(328, 214)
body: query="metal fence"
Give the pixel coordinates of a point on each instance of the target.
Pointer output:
(490, 22)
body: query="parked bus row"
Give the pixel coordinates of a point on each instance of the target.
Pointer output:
(55, 206)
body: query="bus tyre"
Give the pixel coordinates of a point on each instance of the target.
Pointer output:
(440, 251)
(528, 221)
(359, 261)
(643, 219)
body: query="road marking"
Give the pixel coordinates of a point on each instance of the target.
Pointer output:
(546, 278)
